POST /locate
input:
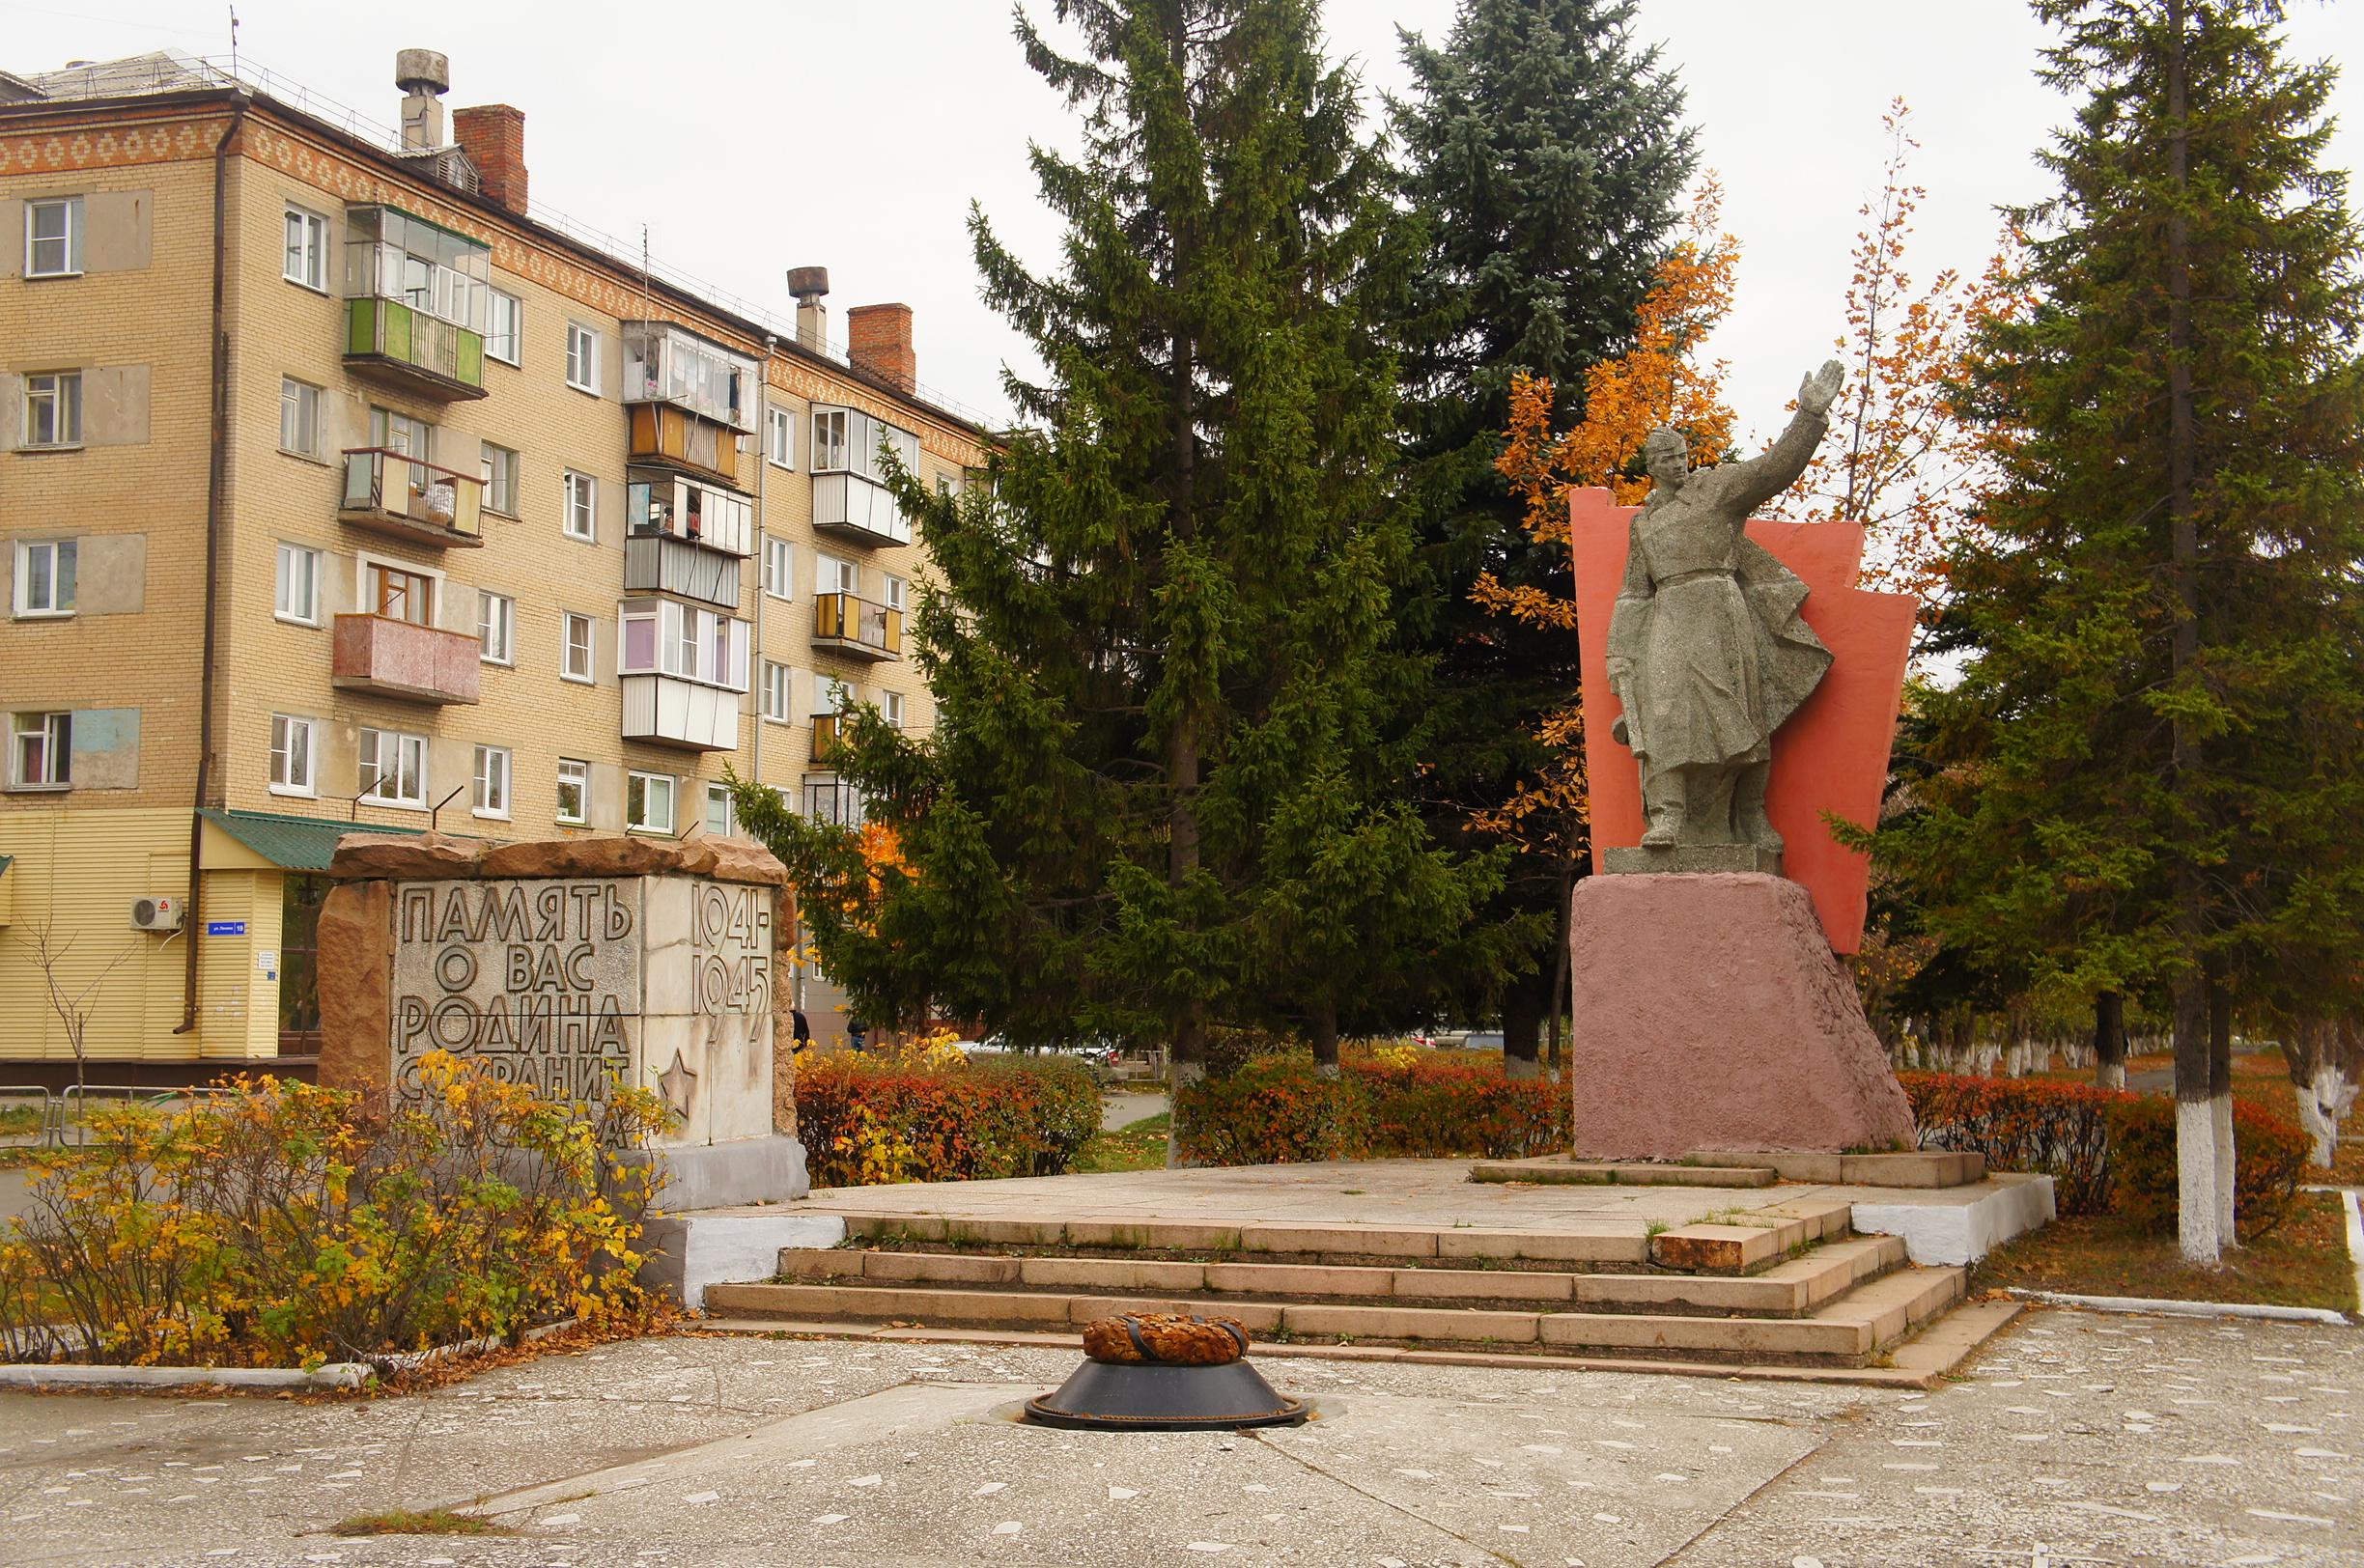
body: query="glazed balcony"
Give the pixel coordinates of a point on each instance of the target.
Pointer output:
(660, 564)
(415, 502)
(835, 801)
(401, 658)
(856, 629)
(861, 510)
(408, 349)
(666, 709)
(670, 364)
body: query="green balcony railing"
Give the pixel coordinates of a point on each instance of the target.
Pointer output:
(435, 353)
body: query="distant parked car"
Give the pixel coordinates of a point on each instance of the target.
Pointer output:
(1483, 1040)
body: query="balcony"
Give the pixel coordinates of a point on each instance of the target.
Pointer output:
(856, 629)
(859, 509)
(415, 502)
(399, 659)
(827, 730)
(835, 801)
(391, 343)
(672, 438)
(662, 564)
(665, 363)
(666, 709)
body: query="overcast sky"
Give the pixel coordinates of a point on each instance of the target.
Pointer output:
(753, 137)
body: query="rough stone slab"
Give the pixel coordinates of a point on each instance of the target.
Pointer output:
(1561, 1172)
(354, 954)
(1973, 1222)
(1411, 1322)
(690, 1254)
(1717, 1017)
(1626, 1244)
(1341, 1240)
(1922, 1167)
(1715, 1249)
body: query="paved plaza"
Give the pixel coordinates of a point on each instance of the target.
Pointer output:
(2074, 1438)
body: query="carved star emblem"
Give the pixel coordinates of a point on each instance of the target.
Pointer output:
(678, 1083)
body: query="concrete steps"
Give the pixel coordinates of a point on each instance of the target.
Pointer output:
(1781, 1285)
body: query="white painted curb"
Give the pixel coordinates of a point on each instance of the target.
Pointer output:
(35, 1375)
(2183, 1309)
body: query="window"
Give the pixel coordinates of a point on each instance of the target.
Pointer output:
(648, 802)
(307, 249)
(500, 477)
(400, 433)
(299, 585)
(394, 769)
(662, 638)
(496, 628)
(895, 591)
(832, 575)
(846, 440)
(45, 576)
(576, 664)
(298, 417)
(53, 237)
(573, 790)
(775, 683)
(721, 822)
(581, 506)
(492, 788)
(290, 755)
(392, 255)
(397, 594)
(42, 755)
(505, 330)
(780, 568)
(582, 359)
(779, 443)
(891, 709)
(53, 408)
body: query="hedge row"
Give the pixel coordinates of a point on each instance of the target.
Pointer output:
(865, 1124)
(2107, 1151)
(1277, 1109)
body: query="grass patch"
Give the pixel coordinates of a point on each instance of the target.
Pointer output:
(409, 1522)
(2304, 1263)
(1135, 1146)
(19, 1121)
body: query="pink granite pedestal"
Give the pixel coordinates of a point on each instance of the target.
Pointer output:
(1710, 1014)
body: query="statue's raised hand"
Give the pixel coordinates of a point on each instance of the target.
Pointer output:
(1820, 390)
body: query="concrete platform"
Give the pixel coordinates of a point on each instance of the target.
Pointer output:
(1564, 1171)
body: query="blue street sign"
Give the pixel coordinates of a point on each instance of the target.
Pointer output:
(225, 928)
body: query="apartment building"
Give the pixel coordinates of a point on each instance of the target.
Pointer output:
(338, 489)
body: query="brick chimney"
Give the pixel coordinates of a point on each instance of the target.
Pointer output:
(879, 340)
(494, 137)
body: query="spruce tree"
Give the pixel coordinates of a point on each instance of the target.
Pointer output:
(1544, 152)
(2147, 777)
(1168, 781)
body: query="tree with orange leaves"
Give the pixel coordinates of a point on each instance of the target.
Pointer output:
(1905, 464)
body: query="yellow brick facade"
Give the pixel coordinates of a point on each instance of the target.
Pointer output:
(81, 856)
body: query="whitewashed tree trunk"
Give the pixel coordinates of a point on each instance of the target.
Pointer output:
(2314, 1118)
(2220, 1122)
(2196, 1232)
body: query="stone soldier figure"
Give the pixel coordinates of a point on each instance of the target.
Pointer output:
(1706, 651)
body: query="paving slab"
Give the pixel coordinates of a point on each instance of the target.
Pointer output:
(2119, 1439)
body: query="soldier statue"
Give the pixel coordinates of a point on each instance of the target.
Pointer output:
(1706, 651)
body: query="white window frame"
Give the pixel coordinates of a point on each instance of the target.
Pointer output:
(780, 568)
(778, 692)
(893, 592)
(717, 790)
(495, 627)
(514, 336)
(62, 397)
(835, 574)
(304, 261)
(577, 772)
(54, 732)
(891, 709)
(578, 496)
(294, 755)
(410, 757)
(501, 467)
(642, 782)
(687, 642)
(300, 418)
(65, 560)
(69, 242)
(284, 605)
(779, 436)
(489, 787)
(583, 358)
(568, 621)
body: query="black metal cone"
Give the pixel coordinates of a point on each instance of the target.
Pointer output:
(1151, 1397)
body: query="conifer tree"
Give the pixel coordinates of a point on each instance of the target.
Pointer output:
(1544, 151)
(1168, 781)
(2148, 779)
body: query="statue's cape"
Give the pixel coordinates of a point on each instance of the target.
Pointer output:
(1799, 660)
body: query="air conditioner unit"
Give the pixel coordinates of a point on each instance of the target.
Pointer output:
(155, 914)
